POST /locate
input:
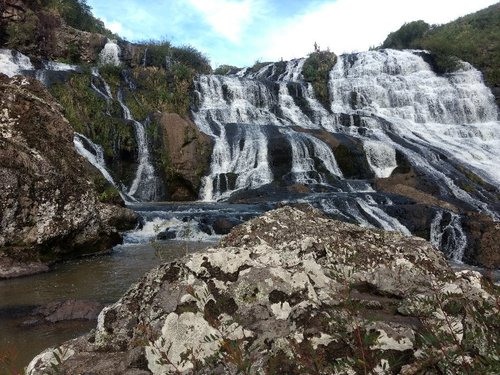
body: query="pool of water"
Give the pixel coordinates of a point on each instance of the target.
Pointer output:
(103, 279)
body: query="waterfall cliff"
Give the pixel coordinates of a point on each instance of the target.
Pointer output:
(389, 115)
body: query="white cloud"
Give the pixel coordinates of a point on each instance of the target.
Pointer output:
(115, 27)
(228, 18)
(355, 25)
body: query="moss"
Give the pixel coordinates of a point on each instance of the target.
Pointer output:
(472, 176)
(106, 192)
(316, 70)
(88, 114)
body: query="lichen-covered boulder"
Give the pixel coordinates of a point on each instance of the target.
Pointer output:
(292, 292)
(49, 207)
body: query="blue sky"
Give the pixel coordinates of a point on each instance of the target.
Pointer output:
(241, 32)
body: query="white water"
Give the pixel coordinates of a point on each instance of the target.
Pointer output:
(456, 114)
(96, 158)
(110, 54)
(145, 184)
(381, 158)
(449, 236)
(391, 101)
(13, 63)
(383, 219)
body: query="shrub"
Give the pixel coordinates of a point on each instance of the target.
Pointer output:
(192, 58)
(226, 69)
(316, 70)
(22, 34)
(407, 36)
(157, 52)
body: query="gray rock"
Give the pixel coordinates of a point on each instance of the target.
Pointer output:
(49, 206)
(294, 292)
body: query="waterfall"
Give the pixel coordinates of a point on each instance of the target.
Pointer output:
(448, 235)
(386, 107)
(96, 157)
(381, 157)
(145, 184)
(13, 62)
(238, 162)
(312, 160)
(110, 54)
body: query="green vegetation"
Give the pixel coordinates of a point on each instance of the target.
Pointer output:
(161, 54)
(106, 192)
(22, 33)
(102, 122)
(76, 13)
(258, 65)
(226, 69)
(474, 38)
(407, 35)
(316, 70)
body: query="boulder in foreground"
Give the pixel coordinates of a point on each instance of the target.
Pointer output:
(292, 292)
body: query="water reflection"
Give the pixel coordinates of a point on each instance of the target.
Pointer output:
(102, 279)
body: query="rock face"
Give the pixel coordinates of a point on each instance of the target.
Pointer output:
(43, 34)
(293, 292)
(187, 156)
(49, 207)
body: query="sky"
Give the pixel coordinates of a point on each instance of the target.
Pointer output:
(242, 32)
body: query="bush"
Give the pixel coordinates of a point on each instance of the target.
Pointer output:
(407, 36)
(157, 52)
(316, 70)
(23, 34)
(76, 13)
(226, 69)
(192, 58)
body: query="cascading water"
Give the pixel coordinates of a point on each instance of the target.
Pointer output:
(13, 62)
(448, 235)
(95, 155)
(110, 54)
(386, 105)
(145, 184)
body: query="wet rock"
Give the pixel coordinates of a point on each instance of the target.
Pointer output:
(294, 292)
(483, 241)
(50, 208)
(56, 312)
(167, 234)
(223, 225)
(188, 153)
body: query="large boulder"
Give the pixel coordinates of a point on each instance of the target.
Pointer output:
(186, 156)
(294, 292)
(49, 207)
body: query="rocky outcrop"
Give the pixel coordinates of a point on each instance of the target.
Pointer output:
(185, 155)
(483, 237)
(42, 34)
(50, 209)
(294, 292)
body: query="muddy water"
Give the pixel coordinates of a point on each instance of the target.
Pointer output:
(103, 279)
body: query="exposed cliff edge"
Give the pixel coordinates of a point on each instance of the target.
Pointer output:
(293, 292)
(49, 203)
